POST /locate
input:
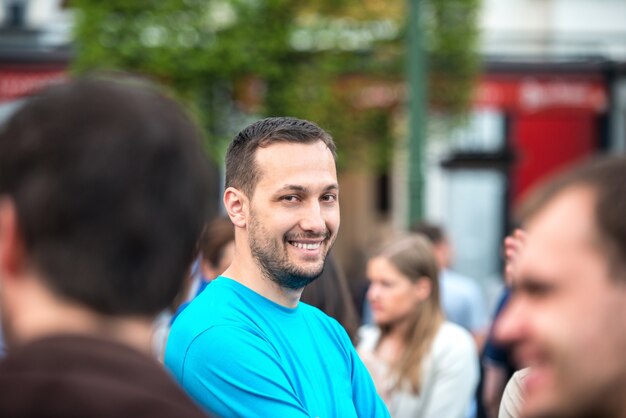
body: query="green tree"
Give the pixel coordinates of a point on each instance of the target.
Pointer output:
(296, 57)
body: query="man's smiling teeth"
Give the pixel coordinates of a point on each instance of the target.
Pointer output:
(306, 246)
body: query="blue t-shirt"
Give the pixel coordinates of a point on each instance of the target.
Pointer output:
(238, 353)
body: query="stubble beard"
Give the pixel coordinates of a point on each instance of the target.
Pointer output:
(274, 262)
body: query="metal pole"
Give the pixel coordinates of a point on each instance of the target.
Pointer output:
(417, 110)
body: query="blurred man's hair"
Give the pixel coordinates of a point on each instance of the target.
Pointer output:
(331, 294)
(214, 238)
(110, 184)
(433, 232)
(241, 170)
(606, 177)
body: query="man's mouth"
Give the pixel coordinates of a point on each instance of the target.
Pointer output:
(306, 245)
(540, 372)
(526, 355)
(305, 241)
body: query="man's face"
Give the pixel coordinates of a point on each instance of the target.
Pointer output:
(567, 316)
(294, 212)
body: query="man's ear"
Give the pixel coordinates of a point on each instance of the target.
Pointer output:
(236, 204)
(12, 249)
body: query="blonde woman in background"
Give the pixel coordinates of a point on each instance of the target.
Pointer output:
(422, 365)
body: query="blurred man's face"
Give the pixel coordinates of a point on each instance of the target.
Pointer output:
(294, 212)
(567, 317)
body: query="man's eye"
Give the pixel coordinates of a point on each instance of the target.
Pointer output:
(536, 289)
(329, 198)
(289, 198)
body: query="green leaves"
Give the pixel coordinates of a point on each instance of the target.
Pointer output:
(233, 61)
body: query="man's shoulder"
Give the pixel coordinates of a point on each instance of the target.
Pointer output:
(111, 379)
(231, 339)
(217, 302)
(75, 351)
(210, 319)
(330, 325)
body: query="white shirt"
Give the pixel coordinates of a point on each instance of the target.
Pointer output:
(449, 375)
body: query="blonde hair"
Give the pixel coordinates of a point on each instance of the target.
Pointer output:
(413, 256)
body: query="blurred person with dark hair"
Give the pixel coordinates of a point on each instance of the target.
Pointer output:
(247, 346)
(103, 187)
(497, 359)
(215, 248)
(461, 298)
(331, 293)
(566, 318)
(422, 365)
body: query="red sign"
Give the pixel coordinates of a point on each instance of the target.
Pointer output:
(531, 94)
(16, 83)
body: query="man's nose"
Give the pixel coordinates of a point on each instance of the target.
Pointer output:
(509, 326)
(313, 219)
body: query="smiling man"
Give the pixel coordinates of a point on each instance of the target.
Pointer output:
(567, 315)
(246, 346)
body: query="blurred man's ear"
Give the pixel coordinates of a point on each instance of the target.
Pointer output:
(442, 254)
(12, 251)
(236, 204)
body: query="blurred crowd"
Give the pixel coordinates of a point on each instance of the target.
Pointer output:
(120, 296)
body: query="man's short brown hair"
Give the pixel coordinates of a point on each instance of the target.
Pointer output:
(606, 177)
(241, 170)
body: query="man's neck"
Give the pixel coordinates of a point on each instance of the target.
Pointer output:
(254, 279)
(43, 314)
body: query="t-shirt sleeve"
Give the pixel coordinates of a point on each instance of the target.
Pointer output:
(366, 400)
(232, 371)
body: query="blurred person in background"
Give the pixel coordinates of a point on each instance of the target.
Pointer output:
(422, 365)
(461, 298)
(513, 396)
(497, 360)
(566, 318)
(504, 386)
(2, 348)
(103, 187)
(216, 248)
(331, 293)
